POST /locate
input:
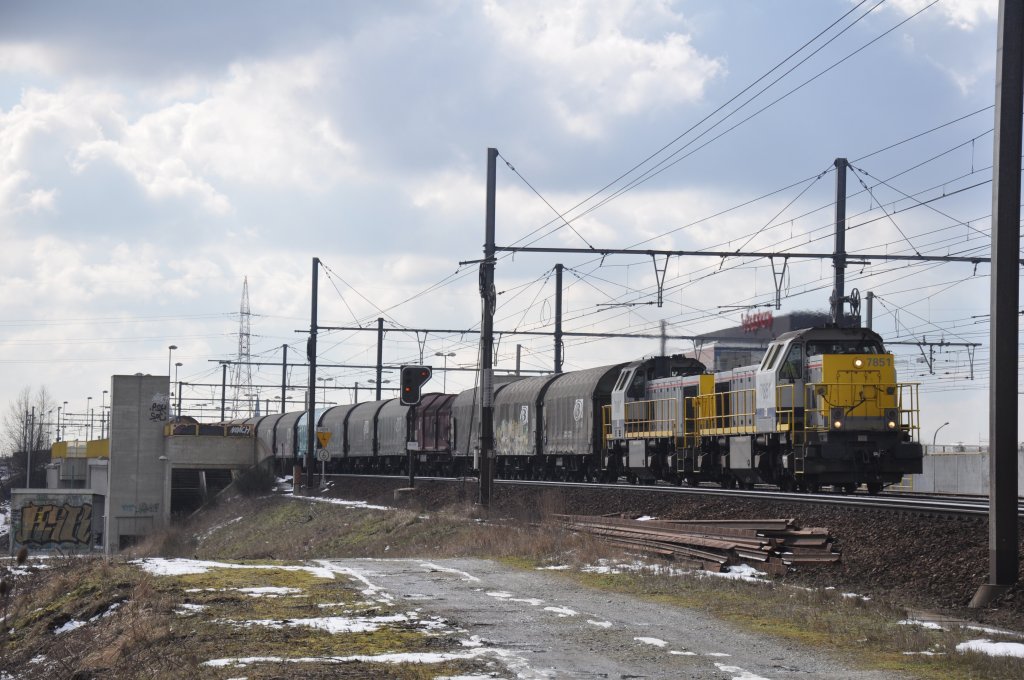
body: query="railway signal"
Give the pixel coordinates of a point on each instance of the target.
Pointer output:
(413, 378)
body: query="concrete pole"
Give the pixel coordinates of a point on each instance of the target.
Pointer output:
(284, 377)
(1004, 557)
(558, 318)
(839, 253)
(380, 354)
(311, 392)
(223, 390)
(487, 296)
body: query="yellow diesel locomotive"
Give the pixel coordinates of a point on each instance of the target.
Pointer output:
(822, 408)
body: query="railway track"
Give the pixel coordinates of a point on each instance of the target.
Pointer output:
(925, 504)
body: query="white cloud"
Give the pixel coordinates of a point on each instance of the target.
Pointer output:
(964, 14)
(591, 68)
(256, 126)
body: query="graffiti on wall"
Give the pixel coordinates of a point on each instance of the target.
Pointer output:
(49, 523)
(158, 406)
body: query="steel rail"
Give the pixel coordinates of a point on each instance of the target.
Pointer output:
(977, 506)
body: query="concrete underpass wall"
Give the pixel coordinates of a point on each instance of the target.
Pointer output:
(138, 503)
(209, 452)
(966, 473)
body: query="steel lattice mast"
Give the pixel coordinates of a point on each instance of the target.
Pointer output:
(241, 378)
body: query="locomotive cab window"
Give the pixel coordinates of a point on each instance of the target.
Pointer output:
(861, 346)
(792, 367)
(637, 385)
(769, 358)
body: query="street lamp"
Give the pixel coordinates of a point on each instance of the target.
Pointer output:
(444, 378)
(937, 433)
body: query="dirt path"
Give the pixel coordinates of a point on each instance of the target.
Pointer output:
(543, 626)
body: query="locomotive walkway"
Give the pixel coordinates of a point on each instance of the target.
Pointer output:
(544, 626)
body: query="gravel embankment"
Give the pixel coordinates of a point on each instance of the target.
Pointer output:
(916, 561)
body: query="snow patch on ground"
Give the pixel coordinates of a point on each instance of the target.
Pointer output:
(361, 505)
(214, 529)
(466, 576)
(656, 642)
(739, 572)
(743, 674)
(562, 612)
(600, 624)
(513, 662)
(371, 590)
(923, 624)
(178, 567)
(186, 608)
(330, 624)
(71, 625)
(992, 648)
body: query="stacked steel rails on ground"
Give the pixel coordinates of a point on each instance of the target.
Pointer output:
(775, 545)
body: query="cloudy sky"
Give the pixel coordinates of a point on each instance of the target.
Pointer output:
(154, 156)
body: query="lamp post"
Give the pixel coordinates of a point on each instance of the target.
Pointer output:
(177, 365)
(103, 415)
(373, 381)
(444, 378)
(170, 349)
(325, 381)
(937, 433)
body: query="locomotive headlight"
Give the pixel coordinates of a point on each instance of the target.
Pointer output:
(837, 417)
(858, 363)
(891, 419)
(892, 424)
(837, 424)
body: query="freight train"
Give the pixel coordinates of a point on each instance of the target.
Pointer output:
(822, 408)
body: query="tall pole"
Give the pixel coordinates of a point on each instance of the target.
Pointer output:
(488, 299)
(519, 358)
(1003, 549)
(871, 306)
(31, 445)
(380, 354)
(284, 376)
(558, 318)
(223, 389)
(311, 392)
(839, 253)
(58, 423)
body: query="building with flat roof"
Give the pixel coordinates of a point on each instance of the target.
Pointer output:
(745, 344)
